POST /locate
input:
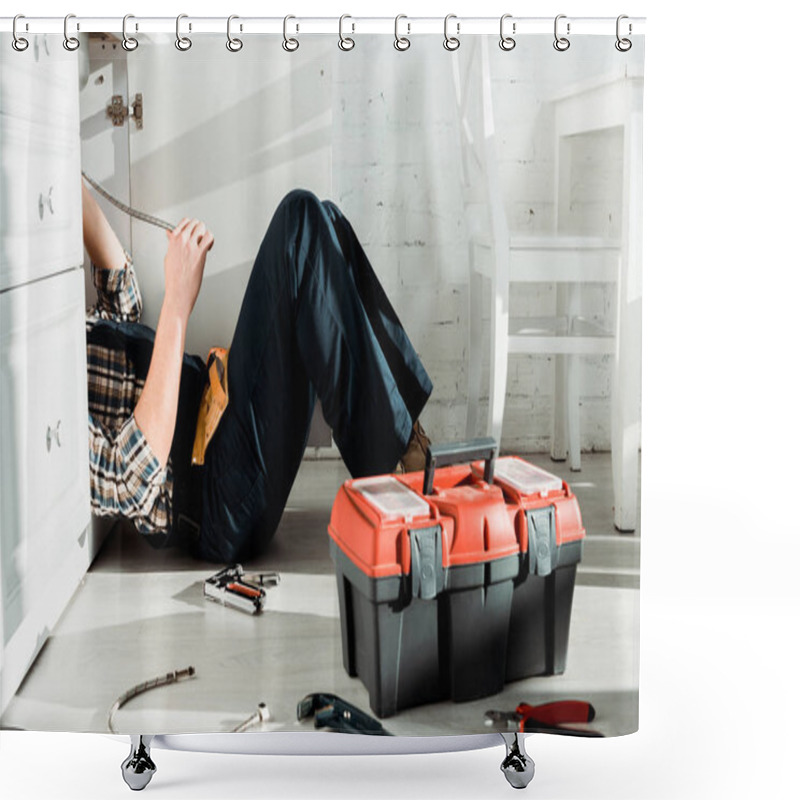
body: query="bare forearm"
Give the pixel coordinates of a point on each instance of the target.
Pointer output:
(157, 409)
(101, 242)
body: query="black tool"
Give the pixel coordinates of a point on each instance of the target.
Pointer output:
(548, 717)
(338, 715)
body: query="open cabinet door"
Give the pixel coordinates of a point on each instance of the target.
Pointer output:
(104, 145)
(221, 132)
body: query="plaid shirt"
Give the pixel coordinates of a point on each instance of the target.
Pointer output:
(126, 477)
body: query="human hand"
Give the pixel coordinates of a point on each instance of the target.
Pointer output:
(189, 242)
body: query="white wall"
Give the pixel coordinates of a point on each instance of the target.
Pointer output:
(225, 136)
(396, 173)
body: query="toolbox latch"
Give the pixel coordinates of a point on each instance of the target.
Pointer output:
(427, 575)
(542, 553)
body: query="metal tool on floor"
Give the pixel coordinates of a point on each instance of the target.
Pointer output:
(330, 711)
(261, 715)
(245, 591)
(556, 717)
(146, 686)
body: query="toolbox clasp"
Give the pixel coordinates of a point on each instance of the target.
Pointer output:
(542, 551)
(427, 573)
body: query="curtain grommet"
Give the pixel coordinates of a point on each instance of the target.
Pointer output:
(401, 43)
(129, 43)
(183, 43)
(289, 44)
(623, 44)
(451, 43)
(346, 43)
(233, 44)
(19, 43)
(561, 43)
(71, 43)
(507, 43)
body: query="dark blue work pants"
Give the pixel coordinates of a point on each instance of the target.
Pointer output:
(314, 321)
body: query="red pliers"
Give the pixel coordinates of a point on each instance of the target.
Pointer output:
(548, 717)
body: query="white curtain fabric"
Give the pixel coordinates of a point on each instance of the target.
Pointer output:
(224, 137)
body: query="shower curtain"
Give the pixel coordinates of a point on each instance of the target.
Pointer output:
(495, 193)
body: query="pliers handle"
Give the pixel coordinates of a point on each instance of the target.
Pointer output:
(548, 717)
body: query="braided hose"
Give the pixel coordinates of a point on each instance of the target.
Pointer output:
(132, 212)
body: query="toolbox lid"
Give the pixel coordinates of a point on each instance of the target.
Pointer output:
(525, 477)
(392, 498)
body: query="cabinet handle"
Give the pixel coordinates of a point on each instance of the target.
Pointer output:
(46, 202)
(54, 434)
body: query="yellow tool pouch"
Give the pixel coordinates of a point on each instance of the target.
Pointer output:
(213, 403)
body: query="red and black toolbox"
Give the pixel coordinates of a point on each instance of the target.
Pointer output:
(454, 580)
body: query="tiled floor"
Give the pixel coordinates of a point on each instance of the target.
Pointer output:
(141, 613)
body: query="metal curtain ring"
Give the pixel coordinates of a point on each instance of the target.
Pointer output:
(183, 43)
(129, 43)
(623, 45)
(289, 44)
(71, 43)
(233, 44)
(451, 42)
(345, 42)
(19, 43)
(561, 43)
(507, 42)
(401, 42)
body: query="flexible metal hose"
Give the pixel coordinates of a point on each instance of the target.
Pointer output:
(133, 212)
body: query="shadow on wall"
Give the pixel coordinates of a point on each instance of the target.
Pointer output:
(200, 142)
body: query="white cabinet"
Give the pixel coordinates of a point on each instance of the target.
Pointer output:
(39, 84)
(44, 469)
(43, 426)
(45, 540)
(40, 212)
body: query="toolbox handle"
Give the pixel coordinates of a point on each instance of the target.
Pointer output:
(442, 455)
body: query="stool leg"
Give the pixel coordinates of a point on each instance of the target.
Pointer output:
(573, 403)
(498, 350)
(517, 766)
(138, 768)
(558, 440)
(475, 351)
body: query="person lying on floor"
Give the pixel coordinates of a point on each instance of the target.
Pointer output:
(314, 321)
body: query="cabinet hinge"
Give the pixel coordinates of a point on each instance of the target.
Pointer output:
(118, 112)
